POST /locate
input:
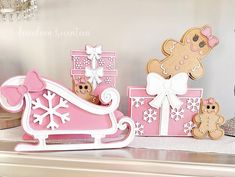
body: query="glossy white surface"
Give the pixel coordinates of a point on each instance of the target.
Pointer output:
(127, 162)
(225, 145)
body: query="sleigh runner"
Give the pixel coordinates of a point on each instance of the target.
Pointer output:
(51, 109)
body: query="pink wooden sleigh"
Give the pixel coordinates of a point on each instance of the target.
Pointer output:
(51, 109)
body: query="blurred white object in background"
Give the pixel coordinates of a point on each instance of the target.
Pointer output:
(17, 9)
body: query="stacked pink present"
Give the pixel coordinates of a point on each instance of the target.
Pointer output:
(166, 107)
(95, 65)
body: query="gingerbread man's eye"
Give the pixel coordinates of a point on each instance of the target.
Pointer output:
(86, 87)
(80, 87)
(213, 107)
(195, 37)
(202, 44)
(208, 107)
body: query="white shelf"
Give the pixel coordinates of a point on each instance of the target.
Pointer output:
(225, 145)
(112, 163)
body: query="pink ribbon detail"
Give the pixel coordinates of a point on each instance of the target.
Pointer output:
(209, 101)
(14, 94)
(212, 40)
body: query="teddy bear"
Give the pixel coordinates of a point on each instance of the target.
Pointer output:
(208, 121)
(84, 90)
(185, 56)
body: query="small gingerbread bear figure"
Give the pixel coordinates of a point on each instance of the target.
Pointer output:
(185, 56)
(84, 90)
(208, 121)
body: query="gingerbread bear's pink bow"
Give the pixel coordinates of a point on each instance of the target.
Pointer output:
(209, 101)
(212, 40)
(15, 94)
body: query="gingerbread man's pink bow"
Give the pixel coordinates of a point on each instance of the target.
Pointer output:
(14, 94)
(212, 40)
(209, 101)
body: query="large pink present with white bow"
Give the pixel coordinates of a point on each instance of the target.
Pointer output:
(165, 107)
(95, 65)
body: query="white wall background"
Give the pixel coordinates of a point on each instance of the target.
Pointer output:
(135, 29)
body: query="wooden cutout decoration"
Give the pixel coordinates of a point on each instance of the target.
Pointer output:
(51, 109)
(84, 90)
(209, 121)
(95, 65)
(185, 56)
(165, 107)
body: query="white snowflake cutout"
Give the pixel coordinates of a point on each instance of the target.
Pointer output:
(86, 62)
(137, 102)
(107, 80)
(109, 66)
(177, 114)
(76, 58)
(50, 110)
(110, 59)
(150, 115)
(188, 128)
(101, 62)
(193, 104)
(78, 65)
(139, 129)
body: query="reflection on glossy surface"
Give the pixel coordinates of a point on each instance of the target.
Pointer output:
(130, 154)
(131, 162)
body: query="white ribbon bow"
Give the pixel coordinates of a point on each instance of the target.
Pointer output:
(166, 91)
(94, 75)
(93, 54)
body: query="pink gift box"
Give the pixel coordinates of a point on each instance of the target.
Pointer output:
(148, 119)
(106, 61)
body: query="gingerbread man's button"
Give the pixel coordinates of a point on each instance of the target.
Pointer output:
(181, 62)
(186, 57)
(177, 67)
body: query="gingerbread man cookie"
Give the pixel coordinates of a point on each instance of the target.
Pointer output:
(84, 90)
(185, 56)
(208, 121)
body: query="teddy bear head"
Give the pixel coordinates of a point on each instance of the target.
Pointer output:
(210, 106)
(200, 40)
